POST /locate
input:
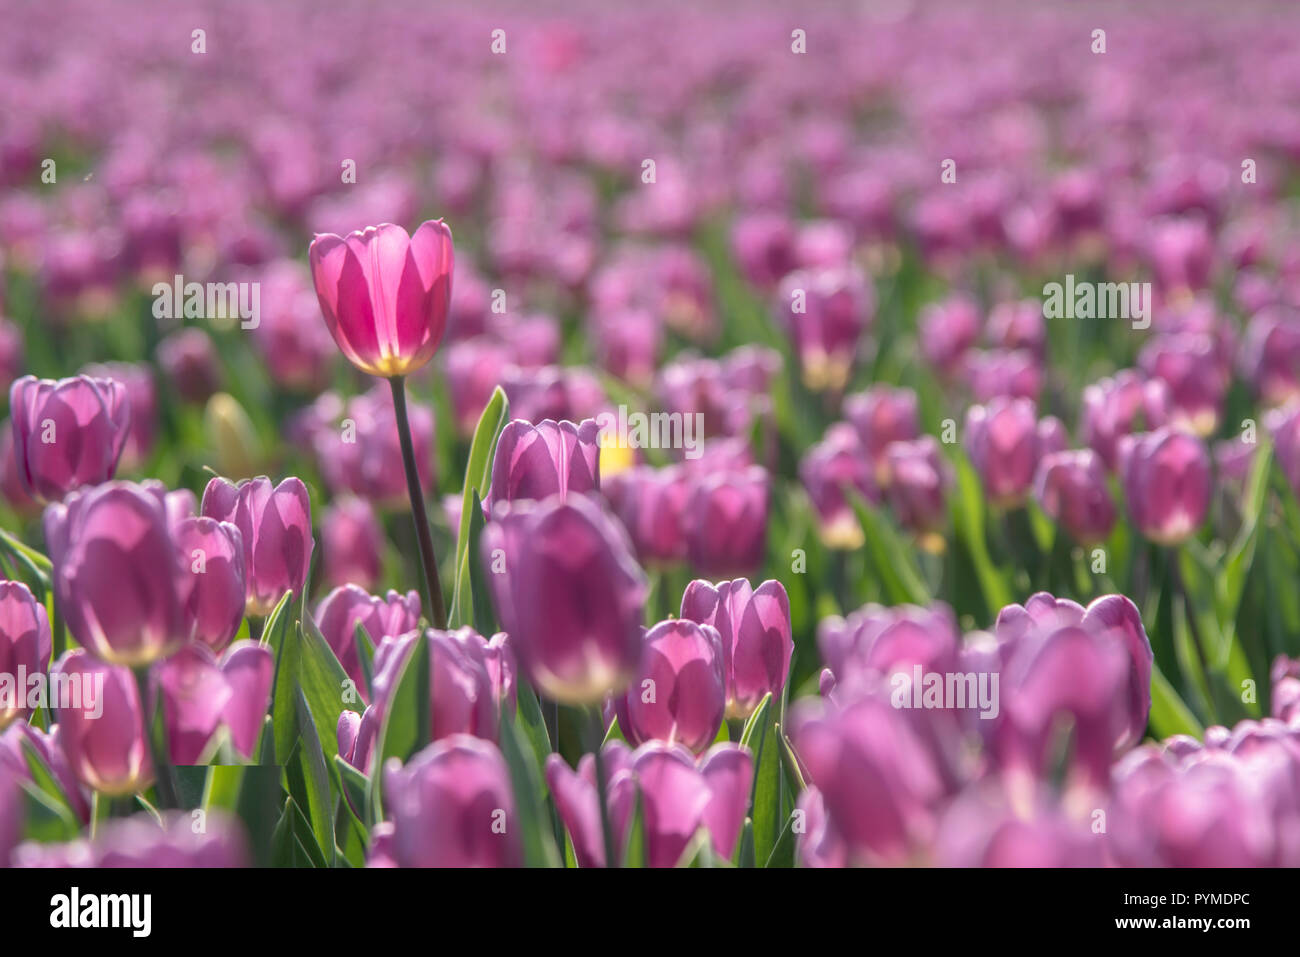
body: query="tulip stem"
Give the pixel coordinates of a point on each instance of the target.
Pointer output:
(1176, 575)
(162, 768)
(597, 725)
(428, 563)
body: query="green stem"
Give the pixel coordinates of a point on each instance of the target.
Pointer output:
(162, 768)
(597, 733)
(420, 515)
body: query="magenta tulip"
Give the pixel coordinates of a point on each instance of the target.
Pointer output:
(353, 543)
(679, 694)
(67, 434)
(384, 294)
(275, 522)
(550, 458)
(680, 796)
(726, 522)
(1071, 487)
(339, 613)
(452, 805)
(103, 734)
(1167, 484)
(25, 646)
(1005, 441)
(754, 627)
(578, 805)
(212, 554)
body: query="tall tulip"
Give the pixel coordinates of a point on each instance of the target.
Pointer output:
(385, 297)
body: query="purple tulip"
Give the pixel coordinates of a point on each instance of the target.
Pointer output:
(212, 554)
(878, 782)
(249, 669)
(385, 294)
(998, 373)
(916, 482)
(875, 642)
(1017, 326)
(139, 841)
(550, 458)
(1071, 487)
(764, 247)
(103, 734)
(569, 593)
(651, 504)
(194, 698)
(67, 434)
(190, 362)
(142, 396)
(947, 331)
(345, 607)
(1167, 483)
(578, 805)
(826, 312)
(882, 415)
(726, 522)
(1006, 441)
(1270, 356)
(362, 455)
(118, 577)
(15, 494)
(1116, 407)
(679, 796)
(1197, 383)
(353, 543)
(452, 805)
(679, 694)
(819, 845)
(830, 469)
(275, 522)
(754, 627)
(25, 646)
(474, 367)
(980, 829)
(463, 694)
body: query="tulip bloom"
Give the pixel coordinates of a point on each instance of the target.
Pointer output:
(1116, 407)
(1071, 488)
(384, 294)
(680, 692)
(463, 692)
(212, 554)
(916, 479)
(569, 593)
(201, 694)
(353, 543)
(1005, 441)
(139, 842)
(275, 523)
(577, 802)
(25, 644)
(1167, 484)
(882, 415)
(452, 805)
(344, 608)
(831, 468)
(826, 312)
(550, 458)
(651, 504)
(726, 522)
(680, 796)
(1189, 366)
(118, 577)
(103, 735)
(67, 434)
(754, 627)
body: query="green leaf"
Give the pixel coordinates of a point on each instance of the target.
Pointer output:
(284, 709)
(969, 522)
(783, 852)
(366, 655)
(320, 799)
(760, 737)
(1169, 715)
(355, 784)
(530, 795)
(323, 682)
(478, 475)
(892, 559)
(405, 729)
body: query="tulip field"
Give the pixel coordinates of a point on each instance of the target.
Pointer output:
(703, 435)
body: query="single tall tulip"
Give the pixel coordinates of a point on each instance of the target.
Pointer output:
(385, 294)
